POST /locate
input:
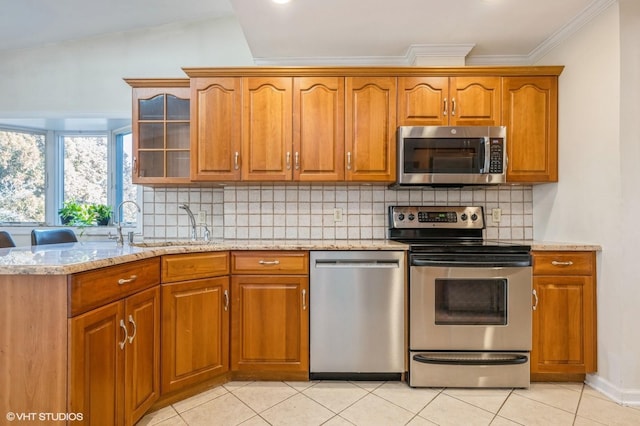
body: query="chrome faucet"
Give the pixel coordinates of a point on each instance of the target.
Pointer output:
(120, 238)
(194, 229)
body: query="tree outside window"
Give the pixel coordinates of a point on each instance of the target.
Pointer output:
(22, 176)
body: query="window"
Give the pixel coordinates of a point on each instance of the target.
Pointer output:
(22, 176)
(85, 168)
(39, 170)
(124, 187)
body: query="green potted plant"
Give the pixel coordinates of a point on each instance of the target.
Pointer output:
(101, 213)
(69, 212)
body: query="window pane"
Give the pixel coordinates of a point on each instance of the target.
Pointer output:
(129, 190)
(85, 169)
(22, 176)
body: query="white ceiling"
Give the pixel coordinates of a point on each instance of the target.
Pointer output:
(332, 31)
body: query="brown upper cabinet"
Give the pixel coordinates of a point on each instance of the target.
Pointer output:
(338, 124)
(215, 132)
(449, 101)
(161, 139)
(370, 129)
(530, 112)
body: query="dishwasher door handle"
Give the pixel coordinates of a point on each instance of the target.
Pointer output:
(341, 264)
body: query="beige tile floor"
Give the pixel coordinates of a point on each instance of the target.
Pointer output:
(334, 403)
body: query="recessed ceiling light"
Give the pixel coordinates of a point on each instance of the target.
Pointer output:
(281, 1)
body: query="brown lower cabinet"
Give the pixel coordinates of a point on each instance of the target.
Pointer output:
(270, 315)
(113, 351)
(195, 319)
(564, 318)
(114, 374)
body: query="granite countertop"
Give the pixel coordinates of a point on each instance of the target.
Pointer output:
(62, 259)
(69, 258)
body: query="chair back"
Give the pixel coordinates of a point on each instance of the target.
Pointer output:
(52, 236)
(6, 240)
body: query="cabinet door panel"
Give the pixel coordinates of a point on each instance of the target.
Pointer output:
(142, 356)
(215, 134)
(530, 112)
(270, 323)
(421, 101)
(160, 130)
(267, 128)
(195, 331)
(563, 326)
(318, 128)
(96, 378)
(475, 101)
(371, 128)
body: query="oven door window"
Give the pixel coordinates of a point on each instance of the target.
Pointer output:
(464, 301)
(444, 155)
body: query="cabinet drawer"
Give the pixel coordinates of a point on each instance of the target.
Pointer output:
(563, 263)
(95, 288)
(191, 266)
(270, 262)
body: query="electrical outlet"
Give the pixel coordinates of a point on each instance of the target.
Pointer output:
(496, 215)
(337, 215)
(202, 216)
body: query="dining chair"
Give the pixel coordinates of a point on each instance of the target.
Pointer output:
(6, 240)
(52, 236)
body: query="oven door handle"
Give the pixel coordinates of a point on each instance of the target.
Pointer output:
(472, 263)
(481, 359)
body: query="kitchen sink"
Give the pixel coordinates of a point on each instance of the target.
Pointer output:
(172, 243)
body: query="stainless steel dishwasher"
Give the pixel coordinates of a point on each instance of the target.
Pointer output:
(357, 309)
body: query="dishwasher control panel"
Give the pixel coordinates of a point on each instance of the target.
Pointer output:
(455, 217)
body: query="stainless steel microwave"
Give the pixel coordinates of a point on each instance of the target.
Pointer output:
(443, 155)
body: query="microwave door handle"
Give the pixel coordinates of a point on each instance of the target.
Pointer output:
(487, 155)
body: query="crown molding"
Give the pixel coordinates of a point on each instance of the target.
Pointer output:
(580, 20)
(448, 52)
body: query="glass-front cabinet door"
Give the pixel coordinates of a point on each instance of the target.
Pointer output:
(161, 131)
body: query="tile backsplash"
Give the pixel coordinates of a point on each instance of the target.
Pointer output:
(302, 211)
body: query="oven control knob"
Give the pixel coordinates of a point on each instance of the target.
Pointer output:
(463, 216)
(411, 216)
(474, 217)
(401, 216)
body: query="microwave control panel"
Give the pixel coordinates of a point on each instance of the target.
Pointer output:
(496, 155)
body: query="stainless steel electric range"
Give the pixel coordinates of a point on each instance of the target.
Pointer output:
(469, 299)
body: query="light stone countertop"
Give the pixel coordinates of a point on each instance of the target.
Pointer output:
(62, 259)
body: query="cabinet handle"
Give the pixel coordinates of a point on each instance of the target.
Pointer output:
(297, 160)
(304, 300)
(132, 278)
(269, 262)
(348, 160)
(135, 166)
(226, 300)
(560, 263)
(453, 106)
(288, 160)
(126, 334)
(535, 295)
(135, 329)
(236, 160)
(444, 107)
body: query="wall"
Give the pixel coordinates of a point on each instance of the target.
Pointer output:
(306, 211)
(596, 199)
(84, 78)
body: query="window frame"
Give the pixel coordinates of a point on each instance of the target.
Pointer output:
(54, 174)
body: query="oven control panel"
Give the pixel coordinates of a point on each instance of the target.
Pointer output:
(456, 217)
